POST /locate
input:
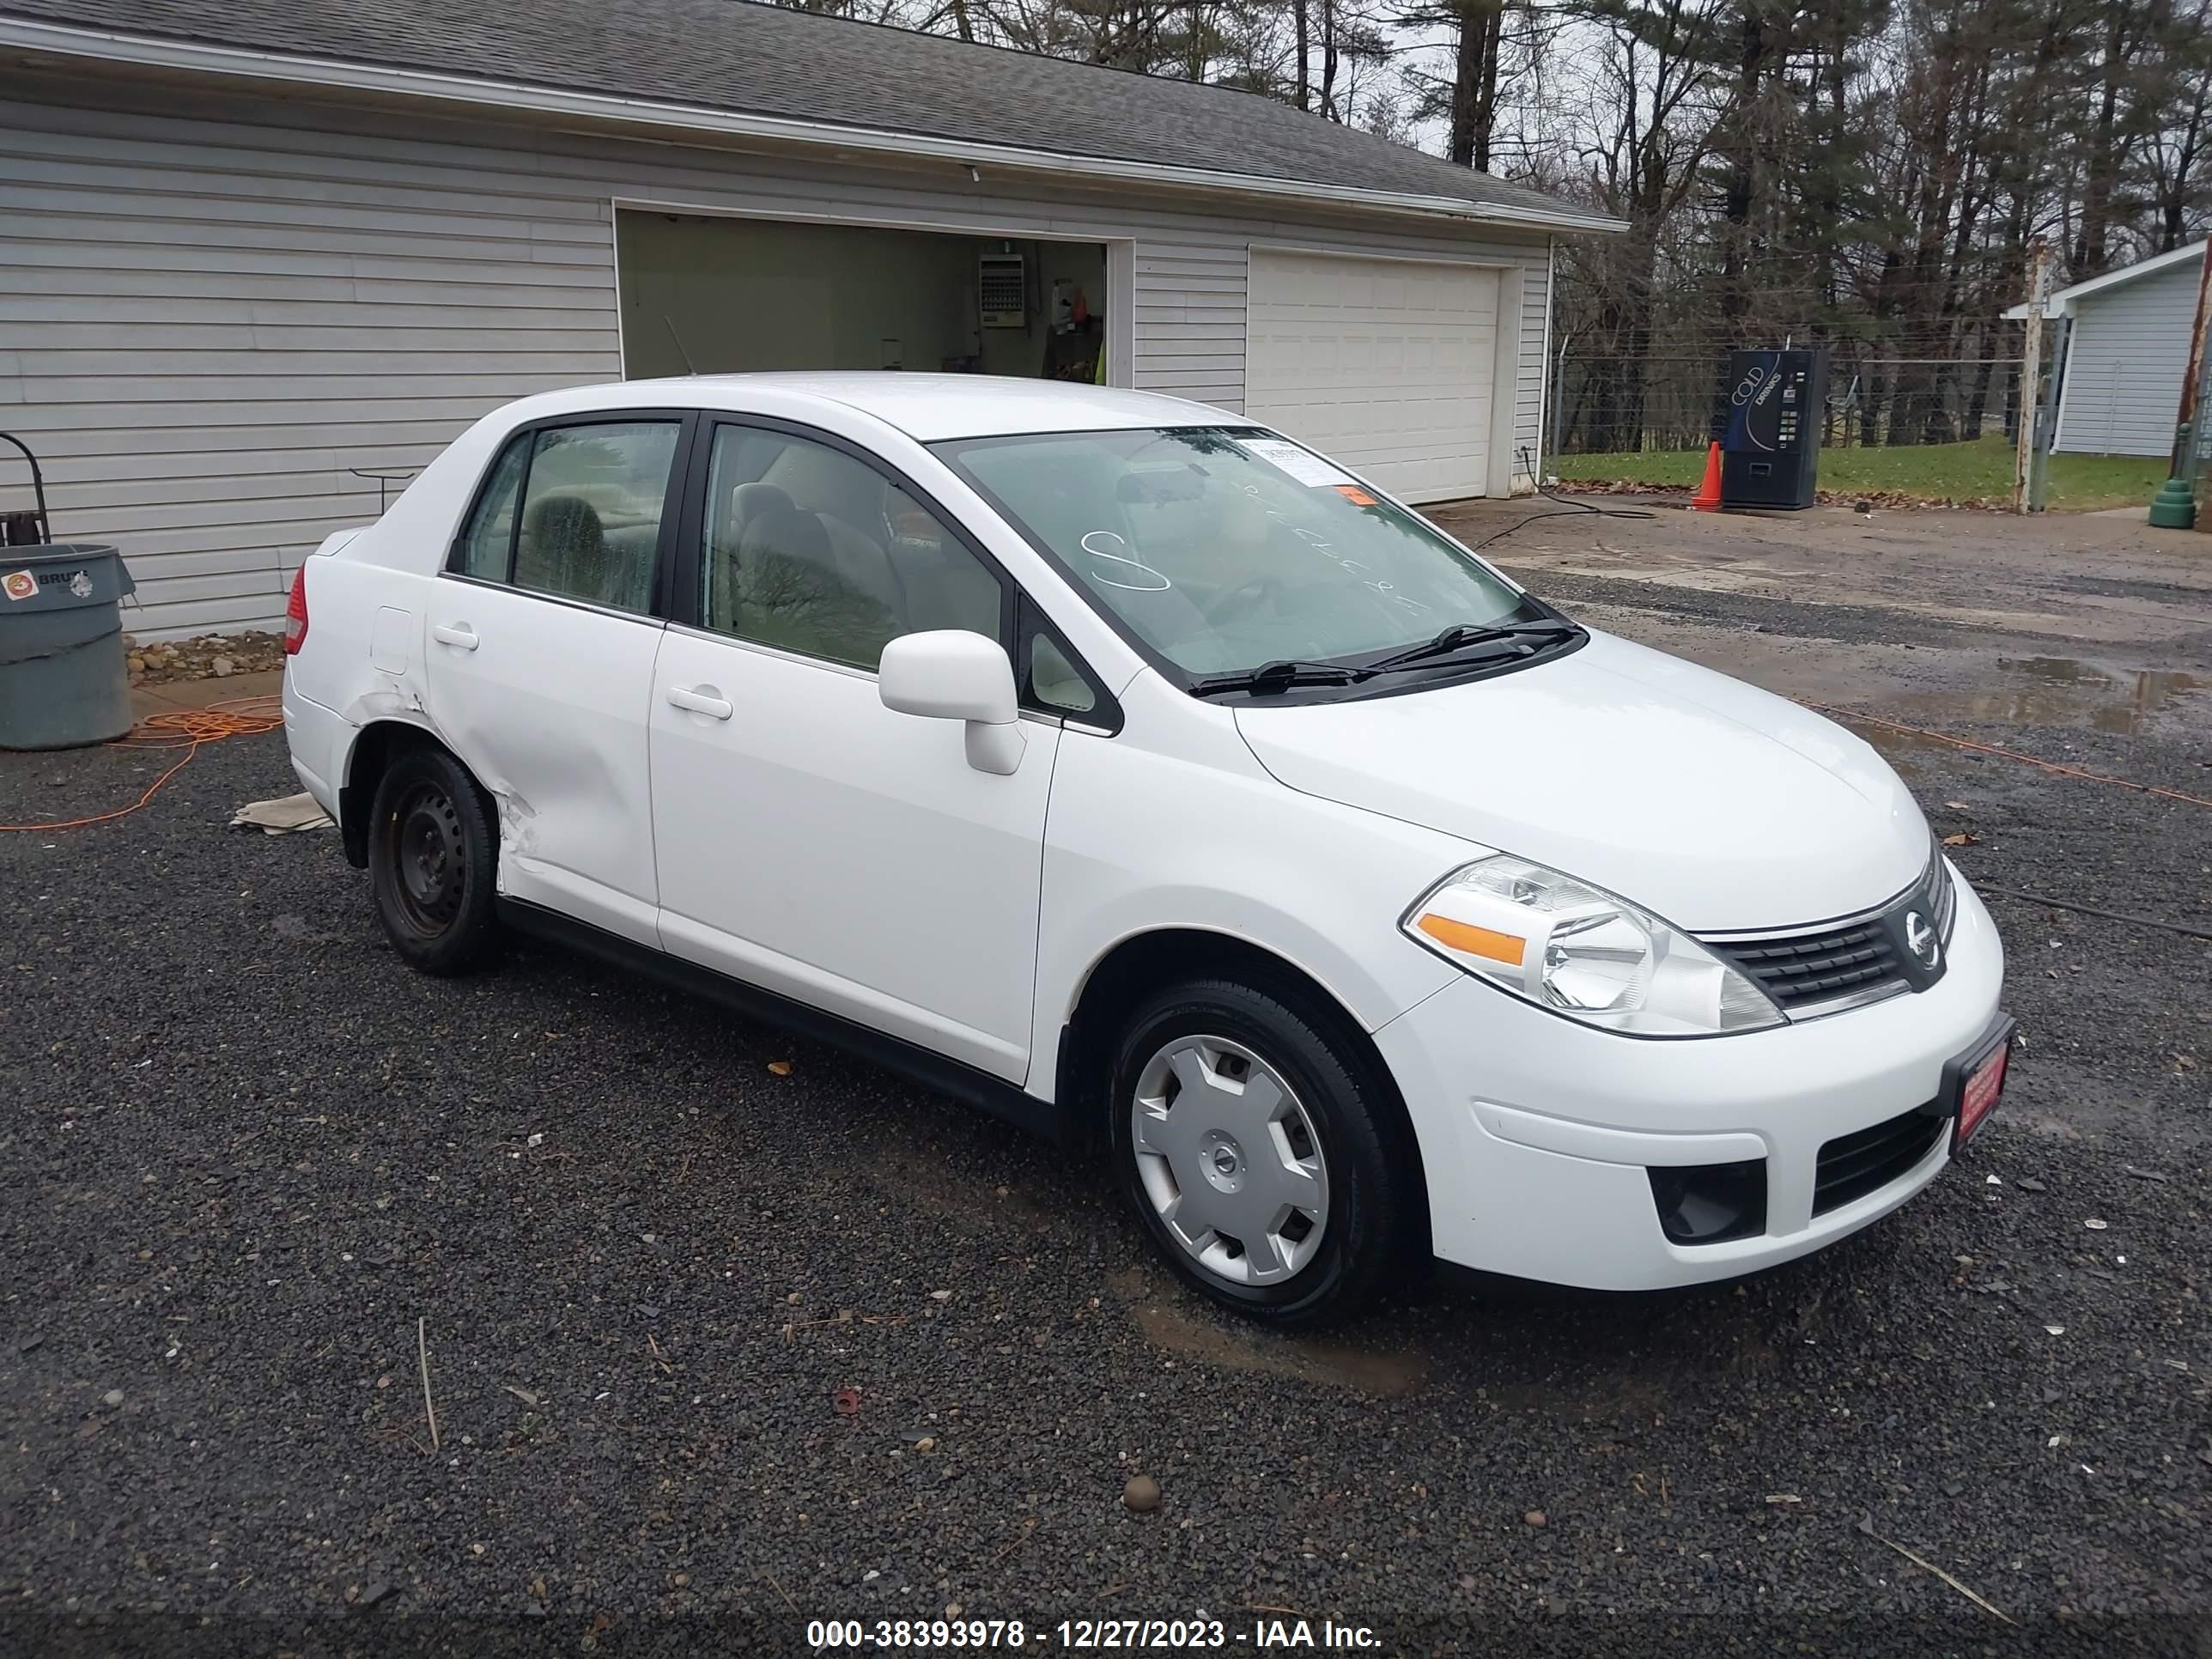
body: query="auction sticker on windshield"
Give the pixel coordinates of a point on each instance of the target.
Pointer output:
(1303, 465)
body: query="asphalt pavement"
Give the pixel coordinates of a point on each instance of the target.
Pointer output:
(726, 1333)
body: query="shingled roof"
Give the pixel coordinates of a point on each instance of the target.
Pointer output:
(754, 60)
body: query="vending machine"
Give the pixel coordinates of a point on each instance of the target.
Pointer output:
(1770, 438)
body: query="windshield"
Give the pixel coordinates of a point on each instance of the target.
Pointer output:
(1225, 549)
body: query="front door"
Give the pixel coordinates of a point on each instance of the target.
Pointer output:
(540, 659)
(810, 840)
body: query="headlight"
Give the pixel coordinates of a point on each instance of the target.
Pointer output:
(1581, 951)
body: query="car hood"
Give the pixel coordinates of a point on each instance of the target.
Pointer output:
(1710, 802)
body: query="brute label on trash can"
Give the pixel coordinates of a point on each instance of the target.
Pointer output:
(63, 683)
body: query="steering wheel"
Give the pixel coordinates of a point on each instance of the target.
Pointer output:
(1245, 596)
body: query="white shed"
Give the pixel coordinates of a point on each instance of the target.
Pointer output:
(2120, 392)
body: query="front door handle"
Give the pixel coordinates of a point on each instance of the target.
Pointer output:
(700, 700)
(460, 636)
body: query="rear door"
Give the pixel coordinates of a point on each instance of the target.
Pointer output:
(540, 652)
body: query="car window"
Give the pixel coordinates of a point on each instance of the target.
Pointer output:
(1055, 681)
(489, 542)
(591, 499)
(1224, 548)
(811, 549)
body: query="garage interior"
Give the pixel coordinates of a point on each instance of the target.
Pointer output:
(707, 295)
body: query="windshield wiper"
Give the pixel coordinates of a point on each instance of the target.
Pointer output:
(1271, 678)
(1460, 636)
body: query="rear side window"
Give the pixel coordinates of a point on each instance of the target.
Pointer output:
(574, 511)
(590, 528)
(488, 544)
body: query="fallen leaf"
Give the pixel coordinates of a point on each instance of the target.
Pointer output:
(1962, 839)
(1957, 805)
(780, 1067)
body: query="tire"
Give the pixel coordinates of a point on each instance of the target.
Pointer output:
(1336, 1241)
(433, 854)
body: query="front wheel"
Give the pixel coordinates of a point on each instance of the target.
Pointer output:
(431, 849)
(1261, 1160)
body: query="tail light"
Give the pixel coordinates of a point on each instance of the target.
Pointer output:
(295, 614)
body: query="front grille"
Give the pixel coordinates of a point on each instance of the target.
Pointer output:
(1851, 1166)
(1859, 958)
(1808, 968)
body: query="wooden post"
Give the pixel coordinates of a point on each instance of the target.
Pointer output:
(2026, 400)
(2175, 507)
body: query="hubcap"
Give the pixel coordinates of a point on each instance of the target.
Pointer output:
(1230, 1160)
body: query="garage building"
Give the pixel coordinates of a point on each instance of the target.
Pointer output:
(261, 260)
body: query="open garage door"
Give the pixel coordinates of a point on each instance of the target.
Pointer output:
(1389, 365)
(707, 294)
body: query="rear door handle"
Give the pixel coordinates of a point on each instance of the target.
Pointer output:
(702, 701)
(460, 636)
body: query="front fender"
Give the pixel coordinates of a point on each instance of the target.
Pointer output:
(1137, 843)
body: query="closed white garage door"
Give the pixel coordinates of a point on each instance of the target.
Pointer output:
(1389, 365)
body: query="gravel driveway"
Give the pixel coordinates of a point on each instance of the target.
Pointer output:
(726, 1333)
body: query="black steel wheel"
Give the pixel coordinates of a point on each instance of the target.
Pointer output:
(432, 847)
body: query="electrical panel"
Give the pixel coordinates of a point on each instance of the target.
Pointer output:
(1002, 291)
(1775, 402)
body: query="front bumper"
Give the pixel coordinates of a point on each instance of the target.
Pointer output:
(1538, 1134)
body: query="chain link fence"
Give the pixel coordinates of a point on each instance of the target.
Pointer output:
(1643, 405)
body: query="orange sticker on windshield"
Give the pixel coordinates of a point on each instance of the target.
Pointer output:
(1356, 495)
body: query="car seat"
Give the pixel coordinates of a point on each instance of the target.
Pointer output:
(792, 593)
(563, 549)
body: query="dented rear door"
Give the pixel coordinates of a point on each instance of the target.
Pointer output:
(548, 708)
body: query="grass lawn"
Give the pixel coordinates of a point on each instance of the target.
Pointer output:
(1976, 471)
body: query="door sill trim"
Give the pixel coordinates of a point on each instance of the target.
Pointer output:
(940, 1072)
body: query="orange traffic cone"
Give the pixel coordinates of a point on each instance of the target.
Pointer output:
(1708, 498)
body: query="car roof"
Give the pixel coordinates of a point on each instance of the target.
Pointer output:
(925, 407)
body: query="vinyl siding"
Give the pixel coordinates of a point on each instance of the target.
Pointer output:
(211, 312)
(2125, 364)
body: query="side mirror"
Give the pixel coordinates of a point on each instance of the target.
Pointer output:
(950, 674)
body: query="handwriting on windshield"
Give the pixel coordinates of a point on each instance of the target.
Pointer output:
(1321, 544)
(1119, 569)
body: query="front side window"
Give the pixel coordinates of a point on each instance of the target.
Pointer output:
(589, 528)
(1226, 549)
(812, 550)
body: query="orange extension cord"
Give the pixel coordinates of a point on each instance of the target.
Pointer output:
(187, 729)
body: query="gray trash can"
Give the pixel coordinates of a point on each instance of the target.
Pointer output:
(63, 683)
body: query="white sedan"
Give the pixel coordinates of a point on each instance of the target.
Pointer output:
(1148, 779)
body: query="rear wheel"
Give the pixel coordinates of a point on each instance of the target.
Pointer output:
(431, 849)
(1259, 1157)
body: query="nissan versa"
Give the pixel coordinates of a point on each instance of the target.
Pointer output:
(1144, 776)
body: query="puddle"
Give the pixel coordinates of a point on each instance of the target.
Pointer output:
(1309, 1359)
(2058, 691)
